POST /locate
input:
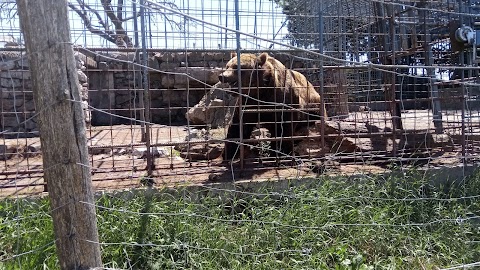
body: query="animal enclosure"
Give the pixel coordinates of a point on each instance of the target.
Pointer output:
(399, 81)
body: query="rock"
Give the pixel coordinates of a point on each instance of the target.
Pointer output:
(320, 167)
(311, 148)
(4, 93)
(204, 57)
(195, 57)
(103, 66)
(153, 63)
(7, 65)
(214, 64)
(172, 97)
(16, 74)
(141, 152)
(87, 113)
(216, 108)
(10, 82)
(9, 151)
(98, 150)
(29, 105)
(23, 62)
(165, 56)
(16, 93)
(122, 99)
(116, 65)
(441, 139)
(342, 144)
(30, 124)
(79, 57)
(9, 104)
(198, 76)
(182, 56)
(168, 66)
(10, 122)
(197, 115)
(213, 177)
(79, 65)
(123, 56)
(5, 153)
(196, 135)
(339, 143)
(119, 75)
(197, 64)
(162, 151)
(203, 151)
(33, 149)
(82, 77)
(217, 56)
(79, 60)
(168, 81)
(121, 151)
(358, 108)
(130, 76)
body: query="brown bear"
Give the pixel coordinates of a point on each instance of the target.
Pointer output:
(273, 97)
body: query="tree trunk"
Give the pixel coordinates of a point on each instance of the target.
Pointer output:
(62, 131)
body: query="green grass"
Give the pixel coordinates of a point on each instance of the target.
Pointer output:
(372, 223)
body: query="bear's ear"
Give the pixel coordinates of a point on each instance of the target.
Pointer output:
(262, 59)
(233, 54)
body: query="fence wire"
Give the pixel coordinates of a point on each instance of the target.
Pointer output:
(400, 92)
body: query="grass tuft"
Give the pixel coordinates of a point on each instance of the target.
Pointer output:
(372, 223)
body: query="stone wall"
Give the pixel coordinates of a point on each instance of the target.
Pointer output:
(17, 106)
(177, 81)
(112, 83)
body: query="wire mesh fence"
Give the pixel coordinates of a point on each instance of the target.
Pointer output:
(165, 100)
(394, 87)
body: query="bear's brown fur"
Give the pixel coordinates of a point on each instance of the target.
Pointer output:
(267, 84)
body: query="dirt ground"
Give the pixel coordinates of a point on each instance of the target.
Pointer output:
(118, 161)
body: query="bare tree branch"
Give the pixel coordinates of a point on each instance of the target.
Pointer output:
(100, 19)
(121, 34)
(119, 10)
(172, 22)
(108, 23)
(107, 6)
(131, 18)
(88, 24)
(9, 9)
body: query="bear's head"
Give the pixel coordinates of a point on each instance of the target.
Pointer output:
(257, 72)
(250, 68)
(273, 71)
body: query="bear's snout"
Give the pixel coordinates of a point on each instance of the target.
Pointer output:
(227, 76)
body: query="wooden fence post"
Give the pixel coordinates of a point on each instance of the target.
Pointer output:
(61, 122)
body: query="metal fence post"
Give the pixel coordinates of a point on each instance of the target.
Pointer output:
(146, 91)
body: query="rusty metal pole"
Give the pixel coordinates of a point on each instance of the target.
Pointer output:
(239, 69)
(394, 106)
(464, 93)
(322, 90)
(146, 92)
(427, 47)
